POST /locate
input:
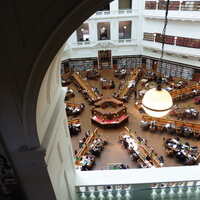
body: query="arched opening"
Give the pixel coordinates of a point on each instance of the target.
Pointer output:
(44, 113)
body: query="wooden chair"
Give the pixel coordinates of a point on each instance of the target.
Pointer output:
(169, 152)
(196, 135)
(178, 131)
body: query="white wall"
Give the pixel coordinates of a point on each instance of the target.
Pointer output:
(53, 132)
(141, 22)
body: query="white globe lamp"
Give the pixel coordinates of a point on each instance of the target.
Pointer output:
(157, 102)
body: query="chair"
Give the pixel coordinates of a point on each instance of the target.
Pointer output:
(187, 133)
(160, 128)
(169, 151)
(178, 131)
(196, 135)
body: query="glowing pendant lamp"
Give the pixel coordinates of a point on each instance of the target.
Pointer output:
(157, 102)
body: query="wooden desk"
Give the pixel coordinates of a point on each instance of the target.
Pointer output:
(107, 83)
(85, 85)
(93, 74)
(126, 87)
(74, 121)
(86, 146)
(107, 113)
(143, 149)
(120, 73)
(104, 102)
(195, 128)
(186, 150)
(65, 79)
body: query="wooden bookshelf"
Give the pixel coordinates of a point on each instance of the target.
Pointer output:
(174, 5)
(127, 62)
(168, 38)
(148, 36)
(150, 5)
(190, 6)
(81, 64)
(188, 42)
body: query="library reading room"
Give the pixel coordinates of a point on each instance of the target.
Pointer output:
(100, 100)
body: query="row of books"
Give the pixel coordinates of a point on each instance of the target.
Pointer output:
(173, 5)
(169, 39)
(81, 65)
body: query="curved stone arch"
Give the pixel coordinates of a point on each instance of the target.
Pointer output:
(51, 46)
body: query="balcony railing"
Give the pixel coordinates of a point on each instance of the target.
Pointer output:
(172, 49)
(170, 183)
(114, 13)
(104, 43)
(174, 15)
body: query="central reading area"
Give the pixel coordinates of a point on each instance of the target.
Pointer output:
(109, 113)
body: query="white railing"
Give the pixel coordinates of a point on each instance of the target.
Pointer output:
(104, 43)
(152, 183)
(174, 15)
(114, 13)
(172, 49)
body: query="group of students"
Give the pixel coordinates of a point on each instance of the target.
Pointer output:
(183, 152)
(74, 110)
(96, 147)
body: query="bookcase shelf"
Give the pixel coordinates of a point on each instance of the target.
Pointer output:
(168, 69)
(150, 5)
(81, 65)
(128, 62)
(148, 36)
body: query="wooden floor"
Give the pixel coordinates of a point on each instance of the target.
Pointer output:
(113, 152)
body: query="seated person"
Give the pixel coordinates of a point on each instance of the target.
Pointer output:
(190, 160)
(102, 96)
(187, 131)
(124, 97)
(144, 124)
(125, 143)
(122, 166)
(195, 91)
(115, 95)
(105, 140)
(161, 159)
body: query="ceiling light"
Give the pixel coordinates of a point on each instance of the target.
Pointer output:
(157, 102)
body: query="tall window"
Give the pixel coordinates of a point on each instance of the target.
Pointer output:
(125, 30)
(125, 4)
(103, 31)
(83, 33)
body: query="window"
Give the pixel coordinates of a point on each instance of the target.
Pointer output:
(83, 33)
(103, 31)
(125, 4)
(125, 30)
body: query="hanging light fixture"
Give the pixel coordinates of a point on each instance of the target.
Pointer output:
(157, 102)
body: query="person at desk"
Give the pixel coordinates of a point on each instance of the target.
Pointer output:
(161, 159)
(170, 127)
(115, 95)
(80, 144)
(152, 126)
(180, 156)
(144, 124)
(87, 134)
(124, 143)
(96, 90)
(195, 91)
(187, 132)
(190, 160)
(124, 98)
